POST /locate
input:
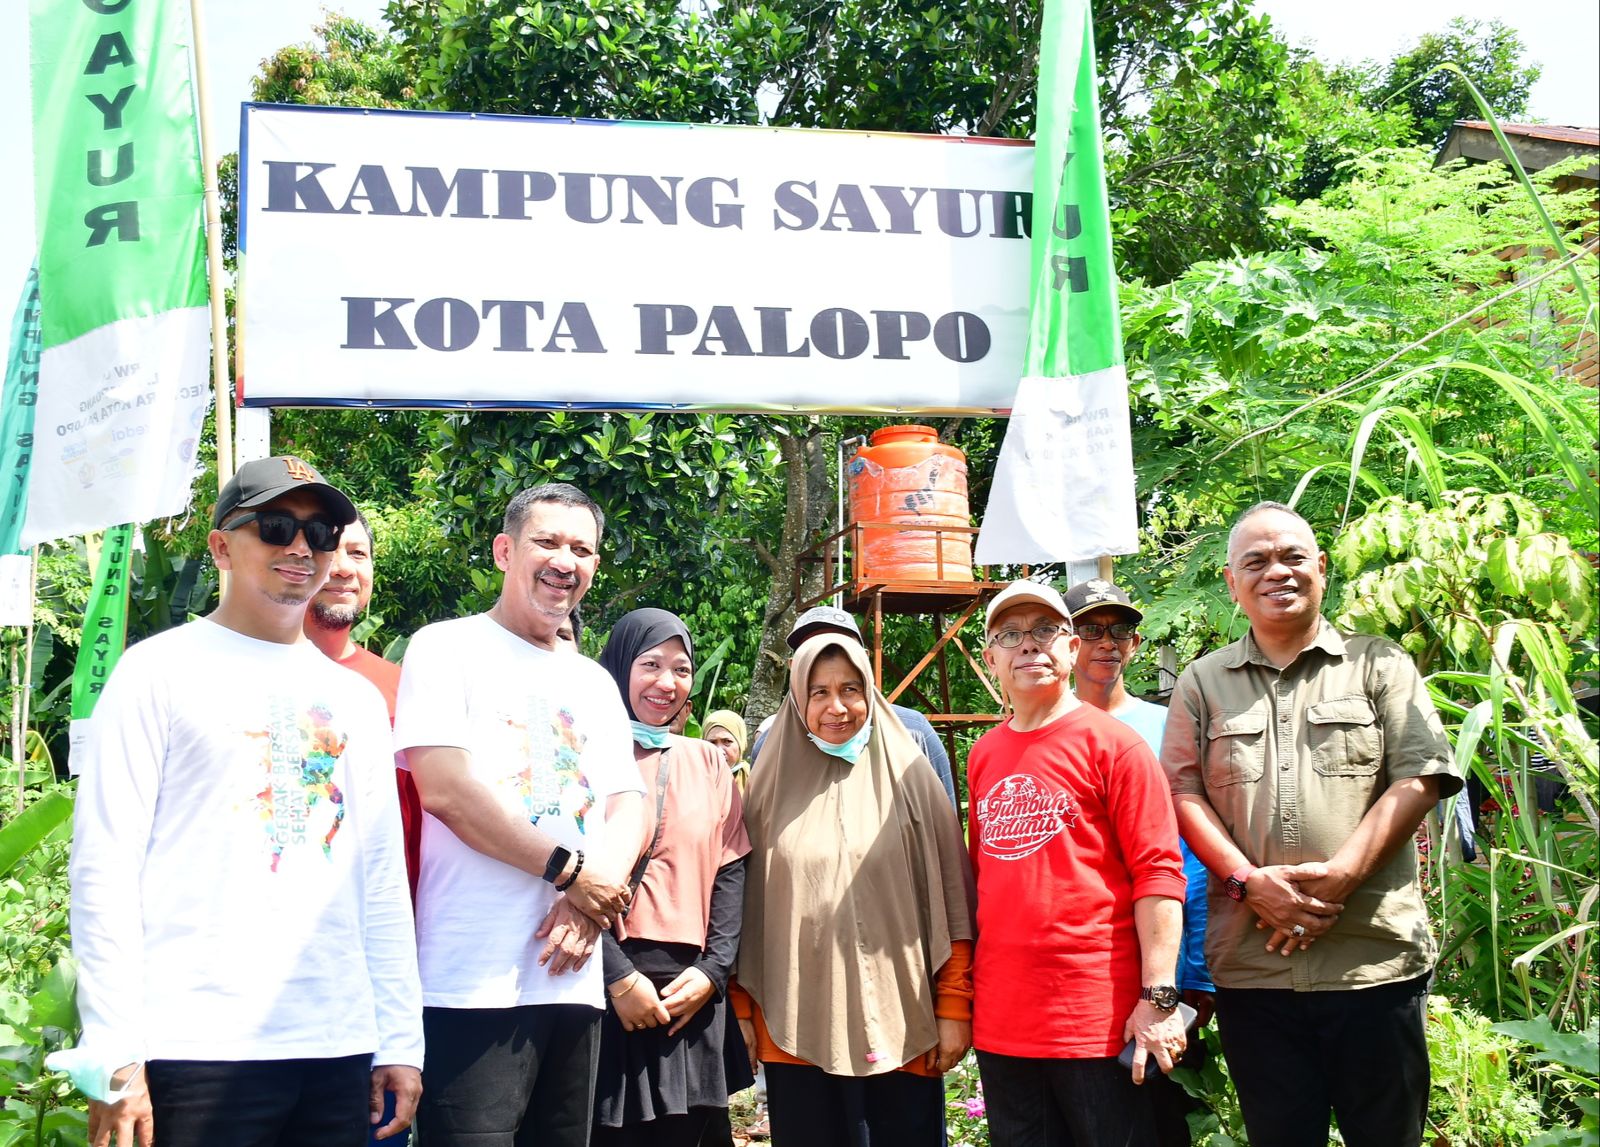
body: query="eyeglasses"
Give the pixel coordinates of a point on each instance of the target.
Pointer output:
(1011, 638)
(277, 528)
(1121, 631)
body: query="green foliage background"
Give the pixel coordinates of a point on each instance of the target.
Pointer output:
(1312, 312)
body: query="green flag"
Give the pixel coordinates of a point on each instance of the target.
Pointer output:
(105, 622)
(17, 403)
(1063, 487)
(122, 307)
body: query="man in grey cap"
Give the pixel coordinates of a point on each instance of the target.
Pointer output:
(279, 991)
(831, 619)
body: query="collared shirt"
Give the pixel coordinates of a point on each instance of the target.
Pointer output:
(1291, 760)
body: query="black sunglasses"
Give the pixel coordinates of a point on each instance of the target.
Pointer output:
(1094, 631)
(277, 528)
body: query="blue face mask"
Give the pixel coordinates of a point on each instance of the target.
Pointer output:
(851, 750)
(650, 736)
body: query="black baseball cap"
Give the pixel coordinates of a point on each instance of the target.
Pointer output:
(1095, 593)
(257, 483)
(821, 617)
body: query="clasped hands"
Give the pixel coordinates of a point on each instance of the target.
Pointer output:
(639, 1006)
(1306, 896)
(572, 926)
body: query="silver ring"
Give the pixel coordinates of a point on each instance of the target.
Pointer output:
(1299, 931)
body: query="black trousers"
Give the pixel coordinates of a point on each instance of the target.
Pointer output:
(509, 1077)
(719, 1126)
(663, 1131)
(1170, 1104)
(1358, 1053)
(260, 1103)
(808, 1107)
(1065, 1103)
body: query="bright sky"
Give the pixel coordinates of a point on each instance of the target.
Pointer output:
(1562, 35)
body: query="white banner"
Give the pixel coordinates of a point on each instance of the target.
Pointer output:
(116, 439)
(16, 589)
(412, 258)
(1063, 488)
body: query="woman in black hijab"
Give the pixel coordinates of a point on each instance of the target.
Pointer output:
(662, 1071)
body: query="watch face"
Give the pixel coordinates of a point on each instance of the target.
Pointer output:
(1234, 888)
(1164, 996)
(557, 863)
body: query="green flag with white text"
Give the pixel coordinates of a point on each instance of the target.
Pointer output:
(18, 400)
(105, 627)
(123, 375)
(1063, 487)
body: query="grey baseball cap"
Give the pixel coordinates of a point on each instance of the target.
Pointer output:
(257, 483)
(822, 617)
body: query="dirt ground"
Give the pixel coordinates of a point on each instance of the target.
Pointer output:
(749, 1119)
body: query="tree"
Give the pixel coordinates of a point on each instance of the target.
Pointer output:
(349, 65)
(1492, 55)
(1194, 93)
(1201, 138)
(1338, 123)
(1310, 374)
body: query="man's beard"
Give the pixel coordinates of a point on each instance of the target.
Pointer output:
(333, 616)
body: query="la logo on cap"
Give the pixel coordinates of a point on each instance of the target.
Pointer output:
(299, 471)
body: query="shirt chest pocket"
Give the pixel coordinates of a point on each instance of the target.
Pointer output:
(1344, 737)
(1236, 747)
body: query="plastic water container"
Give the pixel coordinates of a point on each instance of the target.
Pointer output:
(906, 476)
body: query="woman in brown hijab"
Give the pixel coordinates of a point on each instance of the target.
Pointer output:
(855, 961)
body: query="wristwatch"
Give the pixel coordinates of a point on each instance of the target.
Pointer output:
(1163, 996)
(1234, 884)
(557, 864)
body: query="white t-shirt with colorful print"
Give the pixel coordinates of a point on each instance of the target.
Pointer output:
(548, 735)
(238, 881)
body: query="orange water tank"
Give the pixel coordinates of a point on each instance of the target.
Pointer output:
(907, 476)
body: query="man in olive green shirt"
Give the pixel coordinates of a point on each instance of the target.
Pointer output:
(1301, 762)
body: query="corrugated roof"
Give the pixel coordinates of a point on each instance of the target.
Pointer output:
(1560, 133)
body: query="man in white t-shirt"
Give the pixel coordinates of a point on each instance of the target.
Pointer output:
(240, 916)
(523, 757)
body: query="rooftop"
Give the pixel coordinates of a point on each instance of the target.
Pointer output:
(1558, 133)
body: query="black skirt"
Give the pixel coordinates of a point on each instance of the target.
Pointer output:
(647, 1074)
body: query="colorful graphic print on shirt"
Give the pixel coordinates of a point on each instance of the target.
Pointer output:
(1020, 816)
(300, 800)
(550, 780)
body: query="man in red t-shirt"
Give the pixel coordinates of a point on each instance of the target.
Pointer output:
(1080, 897)
(336, 608)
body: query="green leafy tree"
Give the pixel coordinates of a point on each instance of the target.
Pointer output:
(348, 64)
(1311, 374)
(1338, 123)
(1491, 54)
(1195, 95)
(1201, 133)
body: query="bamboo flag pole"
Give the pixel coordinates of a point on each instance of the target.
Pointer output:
(221, 383)
(24, 686)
